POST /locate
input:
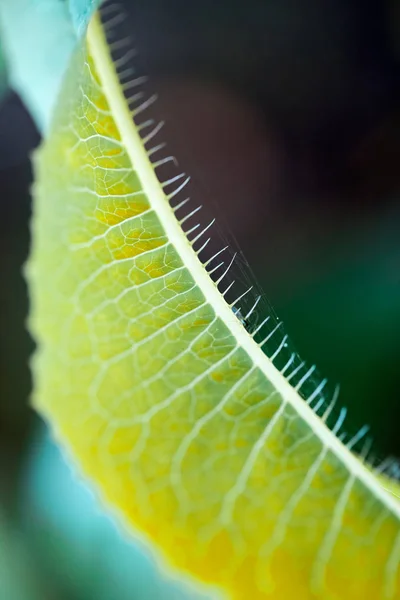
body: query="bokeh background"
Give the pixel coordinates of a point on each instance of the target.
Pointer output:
(287, 116)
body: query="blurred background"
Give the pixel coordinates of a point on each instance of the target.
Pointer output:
(287, 117)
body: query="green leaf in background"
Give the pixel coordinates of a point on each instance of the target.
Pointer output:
(351, 311)
(38, 37)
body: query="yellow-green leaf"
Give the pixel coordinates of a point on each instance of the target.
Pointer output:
(160, 393)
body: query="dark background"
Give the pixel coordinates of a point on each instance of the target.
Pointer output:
(287, 116)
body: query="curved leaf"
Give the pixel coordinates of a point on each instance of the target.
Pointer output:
(161, 394)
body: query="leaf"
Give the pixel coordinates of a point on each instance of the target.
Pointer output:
(161, 395)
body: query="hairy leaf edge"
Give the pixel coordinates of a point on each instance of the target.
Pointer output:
(145, 170)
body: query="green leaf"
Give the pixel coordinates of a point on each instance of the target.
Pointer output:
(159, 392)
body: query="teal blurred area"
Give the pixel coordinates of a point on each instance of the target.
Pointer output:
(3, 73)
(81, 11)
(17, 574)
(38, 37)
(288, 120)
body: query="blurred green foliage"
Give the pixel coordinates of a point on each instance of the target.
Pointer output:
(3, 72)
(351, 312)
